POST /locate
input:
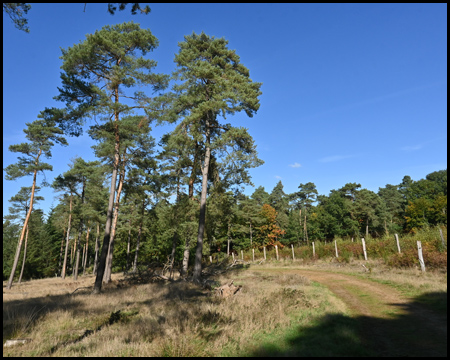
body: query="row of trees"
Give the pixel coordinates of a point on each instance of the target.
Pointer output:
(183, 201)
(156, 229)
(98, 79)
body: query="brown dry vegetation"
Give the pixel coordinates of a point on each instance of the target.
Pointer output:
(184, 319)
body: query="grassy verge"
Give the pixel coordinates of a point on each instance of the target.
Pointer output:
(274, 314)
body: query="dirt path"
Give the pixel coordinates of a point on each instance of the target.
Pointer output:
(390, 323)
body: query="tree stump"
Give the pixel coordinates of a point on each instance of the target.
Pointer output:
(227, 290)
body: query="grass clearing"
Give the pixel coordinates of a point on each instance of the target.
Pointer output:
(275, 313)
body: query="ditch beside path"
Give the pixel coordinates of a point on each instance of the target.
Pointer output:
(390, 323)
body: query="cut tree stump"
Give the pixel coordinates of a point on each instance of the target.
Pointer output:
(227, 290)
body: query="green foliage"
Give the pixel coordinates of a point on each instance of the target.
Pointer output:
(16, 13)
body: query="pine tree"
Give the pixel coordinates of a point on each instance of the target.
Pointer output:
(96, 74)
(214, 83)
(42, 134)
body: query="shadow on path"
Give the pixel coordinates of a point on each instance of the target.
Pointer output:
(418, 331)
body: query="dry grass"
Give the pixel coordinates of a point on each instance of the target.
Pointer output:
(179, 318)
(156, 319)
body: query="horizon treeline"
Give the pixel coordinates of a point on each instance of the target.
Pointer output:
(234, 222)
(140, 205)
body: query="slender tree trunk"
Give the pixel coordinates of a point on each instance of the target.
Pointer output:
(228, 239)
(306, 230)
(138, 238)
(76, 255)
(367, 228)
(61, 252)
(128, 246)
(109, 214)
(87, 249)
(80, 229)
(250, 233)
(202, 217)
(96, 249)
(114, 225)
(24, 256)
(187, 244)
(25, 225)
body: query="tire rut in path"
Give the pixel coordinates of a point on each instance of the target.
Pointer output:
(391, 324)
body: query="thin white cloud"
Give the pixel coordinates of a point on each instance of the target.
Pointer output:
(277, 177)
(295, 165)
(412, 148)
(335, 158)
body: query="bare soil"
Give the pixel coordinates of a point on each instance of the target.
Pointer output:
(390, 323)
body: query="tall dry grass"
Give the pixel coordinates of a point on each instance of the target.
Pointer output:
(157, 319)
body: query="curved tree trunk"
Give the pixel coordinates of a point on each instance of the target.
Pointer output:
(25, 225)
(24, 256)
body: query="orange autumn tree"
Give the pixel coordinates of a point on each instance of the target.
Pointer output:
(270, 232)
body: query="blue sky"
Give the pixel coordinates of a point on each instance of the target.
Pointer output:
(351, 92)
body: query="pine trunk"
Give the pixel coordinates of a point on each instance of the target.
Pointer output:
(61, 253)
(96, 249)
(113, 229)
(87, 250)
(128, 247)
(25, 225)
(24, 256)
(138, 238)
(109, 214)
(202, 217)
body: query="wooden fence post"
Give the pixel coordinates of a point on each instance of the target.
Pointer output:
(364, 249)
(276, 250)
(264, 248)
(242, 254)
(253, 253)
(442, 238)
(293, 256)
(232, 255)
(422, 263)
(398, 243)
(314, 250)
(335, 245)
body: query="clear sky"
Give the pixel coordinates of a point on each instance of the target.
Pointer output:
(351, 92)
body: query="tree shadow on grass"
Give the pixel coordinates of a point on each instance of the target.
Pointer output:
(419, 331)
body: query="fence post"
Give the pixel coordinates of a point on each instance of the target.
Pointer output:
(276, 250)
(335, 245)
(253, 253)
(398, 243)
(364, 249)
(293, 256)
(422, 263)
(264, 248)
(314, 250)
(232, 255)
(210, 259)
(442, 238)
(242, 254)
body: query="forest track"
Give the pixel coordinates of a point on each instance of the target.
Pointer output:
(390, 323)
